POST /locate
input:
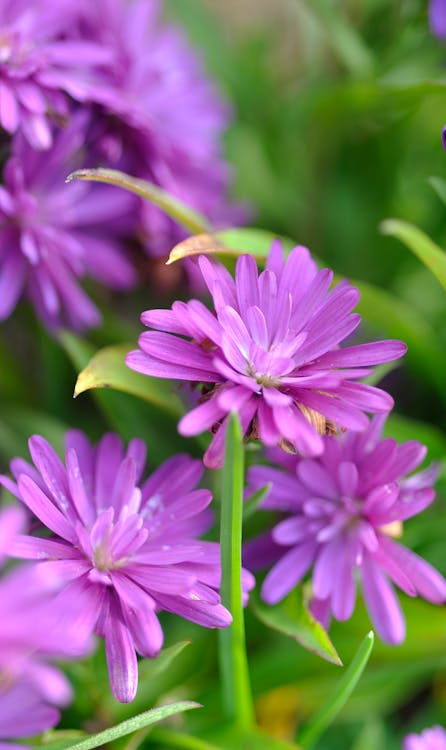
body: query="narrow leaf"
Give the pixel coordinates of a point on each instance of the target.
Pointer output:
(237, 698)
(176, 209)
(439, 186)
(292, 618)
(229, 243)
(421, 245)
(145, 719)
(319, 723)
(107, 369)
(253, 501)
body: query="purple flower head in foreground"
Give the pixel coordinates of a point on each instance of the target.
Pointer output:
(39, 65)
(343, 509)
(131, 548)
(34, 629)
(270, 353)
(431, 739)
(437, 18)
(48, 235)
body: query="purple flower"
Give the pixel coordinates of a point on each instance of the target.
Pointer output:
(39, 65)
(160, 116)
(51, 233)
(35, 628)
(131, 548)
(437, 18)
(431, 739)
(270, 353)
(343, 508)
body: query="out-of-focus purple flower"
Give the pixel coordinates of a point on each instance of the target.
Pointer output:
(343, 508)
(51, 234)
(437, 18)
(431, 739)
(12, 521)
(161, 117)
(35, 628)
(40, 64)
(270, 353)
(132, 550)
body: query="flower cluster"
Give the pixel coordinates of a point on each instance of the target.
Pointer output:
(343, 509)
(129, 548)
(85, 84)
(270, 352)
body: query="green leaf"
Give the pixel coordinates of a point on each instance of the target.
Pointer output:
(229, 244)
(176, 209)
(292, 618)
(107, 369)
(145, 719)
(252, 503)
(237, 698)
(439, 186)
(319, 723)
(127, 414)
(421, 245)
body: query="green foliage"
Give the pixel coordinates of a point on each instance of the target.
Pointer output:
(292, 618)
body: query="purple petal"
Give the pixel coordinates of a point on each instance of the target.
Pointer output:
(382, 604)
(201, 418)
(43, 508)
(121, 658)
(287, 573)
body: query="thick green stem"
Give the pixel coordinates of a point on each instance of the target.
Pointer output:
(237, 698)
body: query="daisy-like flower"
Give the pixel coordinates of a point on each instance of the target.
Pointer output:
(431, 739)
(343, 510)
(39, 65)
(49, 232)
(131, 548)
(270, 352)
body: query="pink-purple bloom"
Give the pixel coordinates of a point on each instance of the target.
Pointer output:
(50, 232)
(131, 547)
(40, 65)
(270, 352)
(343, 509)
(430, 739)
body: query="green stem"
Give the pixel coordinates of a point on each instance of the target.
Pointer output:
(237, 698)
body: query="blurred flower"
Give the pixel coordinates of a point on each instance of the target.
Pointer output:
(34, 629)
(343, 509)
(270, 353)
(437, 18)
(51, 233)
(430, 739)
(11, 522)
(161, 116)
(39, 65)
(132, 550)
